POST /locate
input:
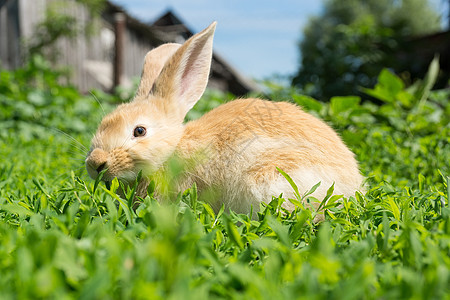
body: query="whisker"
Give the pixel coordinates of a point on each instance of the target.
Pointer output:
(124, 141)
(77, 154)
(80, 151)
(80, 169)
(72, 138)
(99, 103)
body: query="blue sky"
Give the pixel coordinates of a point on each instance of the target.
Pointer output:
(258, 38)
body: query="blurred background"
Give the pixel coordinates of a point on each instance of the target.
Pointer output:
(377, 71)
(322, 48)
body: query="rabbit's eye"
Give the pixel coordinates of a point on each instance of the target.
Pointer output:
(139, 131)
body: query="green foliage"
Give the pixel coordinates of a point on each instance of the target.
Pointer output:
(348, 45)
(33, 101)
(410, 126)
(63, 235)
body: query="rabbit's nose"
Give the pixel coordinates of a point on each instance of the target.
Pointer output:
(96, 162)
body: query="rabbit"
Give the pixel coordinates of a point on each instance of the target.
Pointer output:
(234, 149)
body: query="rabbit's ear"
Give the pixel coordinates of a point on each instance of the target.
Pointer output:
(153, 64)
(185, 75)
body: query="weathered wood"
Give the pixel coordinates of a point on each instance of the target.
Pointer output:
(119, 28)
(90, 58)
(9, 35)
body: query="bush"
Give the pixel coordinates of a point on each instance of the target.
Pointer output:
(63, 235)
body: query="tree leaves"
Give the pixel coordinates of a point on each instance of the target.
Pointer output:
(348, 45)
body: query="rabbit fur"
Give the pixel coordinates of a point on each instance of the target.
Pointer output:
(232, 150)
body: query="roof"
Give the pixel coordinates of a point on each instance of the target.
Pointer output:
(415, 55)
(169, 28)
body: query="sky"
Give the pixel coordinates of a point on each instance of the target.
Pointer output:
(259, 38)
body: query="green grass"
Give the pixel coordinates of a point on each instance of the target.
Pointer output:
(64, 236)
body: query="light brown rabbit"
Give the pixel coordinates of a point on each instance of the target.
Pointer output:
(234, 149)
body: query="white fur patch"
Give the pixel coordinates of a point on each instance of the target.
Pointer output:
(242, 190)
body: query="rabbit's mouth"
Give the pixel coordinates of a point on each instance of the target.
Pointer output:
(108, 184)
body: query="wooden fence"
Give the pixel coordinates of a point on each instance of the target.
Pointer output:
(89, 57)
(103, 59)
